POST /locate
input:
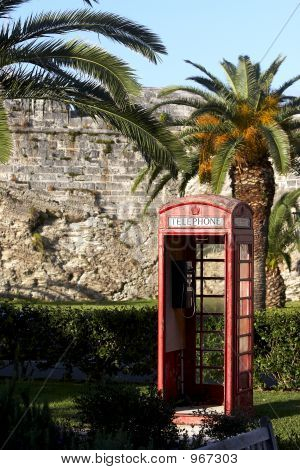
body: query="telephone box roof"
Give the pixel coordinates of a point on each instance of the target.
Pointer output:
(228, 204)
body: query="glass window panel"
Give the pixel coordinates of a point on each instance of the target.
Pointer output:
(198, 269)
(245, 270)
(213, 305)
(213, 251)
(198, 305)
(198, 336)
(212, 376)
(213, 287)
(244, 380)
(198, 357)
(213, 269)
(197, 376)
(245, 307)
(212, 358)
(198, 251)
(244, 344)
(198, 286)
(213, 322)
(245, 252)
(212, 341)
(244, 362)
(244, 326)
(244, 288)
(198, 322)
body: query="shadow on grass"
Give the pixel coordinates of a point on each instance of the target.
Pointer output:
(279, 409)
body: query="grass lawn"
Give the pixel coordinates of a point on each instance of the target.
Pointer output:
(282, 407)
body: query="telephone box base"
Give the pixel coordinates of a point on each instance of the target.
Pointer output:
(190, 416)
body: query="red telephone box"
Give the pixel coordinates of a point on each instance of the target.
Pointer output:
(205, 329)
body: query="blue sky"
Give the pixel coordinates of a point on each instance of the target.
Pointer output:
(203, 31)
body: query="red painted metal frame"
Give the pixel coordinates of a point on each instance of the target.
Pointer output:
(231, 207)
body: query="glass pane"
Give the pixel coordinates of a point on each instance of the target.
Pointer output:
(212, 341)
(198, 251)
(244, 288)
(212, 376)
(198, 305)
(198, 357)
(198, 269)
(244, 344)
(198, 340)
(244, 362)
(245, 270)
(211, 250)
(244, 380)
(212, 358)
(213, 322)
(197, 322)
(213, 305)
(198, 286)
(244, 307)
(213, 287)
(213, 269)
(245, 252)
(244, 325)
(197, 376)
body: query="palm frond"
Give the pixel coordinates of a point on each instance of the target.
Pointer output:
(246, 80)
(90, 2)
(278, 145)
(230, 71)
(80, 56)
(268, 75)
(140, 178)
(138, 125)
(8, 6)
(6, 139)
(187, 89)
(122, 30)
(221, 163)
(286, 85)
(158, 188)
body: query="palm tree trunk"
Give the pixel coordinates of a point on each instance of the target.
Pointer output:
(275, 288)
(255, 185)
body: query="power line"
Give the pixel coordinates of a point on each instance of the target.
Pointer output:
(280, 32)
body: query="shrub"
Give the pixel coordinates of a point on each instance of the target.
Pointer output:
(97, 340)
(277, 347)
(29, 426)
(143, 418)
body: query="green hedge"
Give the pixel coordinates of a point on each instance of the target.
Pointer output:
(277, 346)
(123, 339)
(97, 340)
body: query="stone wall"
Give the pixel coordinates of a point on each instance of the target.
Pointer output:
(70, 228)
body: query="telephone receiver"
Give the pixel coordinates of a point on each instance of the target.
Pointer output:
(190, 289)
(183, 286)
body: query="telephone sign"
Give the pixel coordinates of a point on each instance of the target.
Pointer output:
(196, 222)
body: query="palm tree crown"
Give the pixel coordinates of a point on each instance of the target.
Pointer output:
(34, 65)
(243, 121)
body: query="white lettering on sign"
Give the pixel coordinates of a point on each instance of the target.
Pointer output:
(186, 222)
(242, 222)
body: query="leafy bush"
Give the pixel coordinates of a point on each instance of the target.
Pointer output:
(277, 347)
(29, 426)
(97, 340)
(143, 418)
(218, 426)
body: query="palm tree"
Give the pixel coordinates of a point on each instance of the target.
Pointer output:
(36, 65)
(284, 237)
(242, 128)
